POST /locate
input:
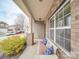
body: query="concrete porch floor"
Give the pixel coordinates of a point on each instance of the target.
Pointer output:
(31, 52)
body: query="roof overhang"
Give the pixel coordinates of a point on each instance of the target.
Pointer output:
(39, 10)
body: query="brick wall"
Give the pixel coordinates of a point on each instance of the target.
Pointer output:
(74, 4)
(75, 28)
(74, 31)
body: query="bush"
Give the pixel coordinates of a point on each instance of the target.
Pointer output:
(12, 45)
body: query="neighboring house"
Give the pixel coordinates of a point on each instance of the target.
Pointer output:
(13, 29)
(61, 23)
(3, 27)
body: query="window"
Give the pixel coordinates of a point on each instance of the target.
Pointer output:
(52, 35)
(52, 23)
(67, 9)
(60, 27)
(67, 20)
(51, 28)
(63, 38)
(2, 25)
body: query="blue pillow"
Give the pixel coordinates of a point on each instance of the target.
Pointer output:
(49, 51)
(45, 41)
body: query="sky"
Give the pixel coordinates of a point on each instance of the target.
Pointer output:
(8, 11)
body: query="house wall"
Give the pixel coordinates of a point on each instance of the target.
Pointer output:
(3, 28)
(74, 54)
(3, 31)
(75, 28)
(38, 29)
(11, 29)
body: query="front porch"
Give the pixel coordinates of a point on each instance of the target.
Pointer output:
(55, 20)
(46, 17)
(32, 52)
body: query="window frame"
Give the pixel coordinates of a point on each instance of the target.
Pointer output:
(63, 27)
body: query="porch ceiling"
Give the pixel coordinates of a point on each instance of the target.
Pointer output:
(40, 8)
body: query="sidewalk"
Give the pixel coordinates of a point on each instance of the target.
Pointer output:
(29, 52)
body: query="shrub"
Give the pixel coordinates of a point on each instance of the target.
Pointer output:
(12, 45)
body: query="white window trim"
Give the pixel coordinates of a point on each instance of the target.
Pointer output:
(64, 27)
(62, 6)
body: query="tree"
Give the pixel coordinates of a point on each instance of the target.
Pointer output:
(20, 20)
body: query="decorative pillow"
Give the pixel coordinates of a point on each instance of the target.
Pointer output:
(42, 48)
(49, 51)
(48, 44)
(44, 41)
